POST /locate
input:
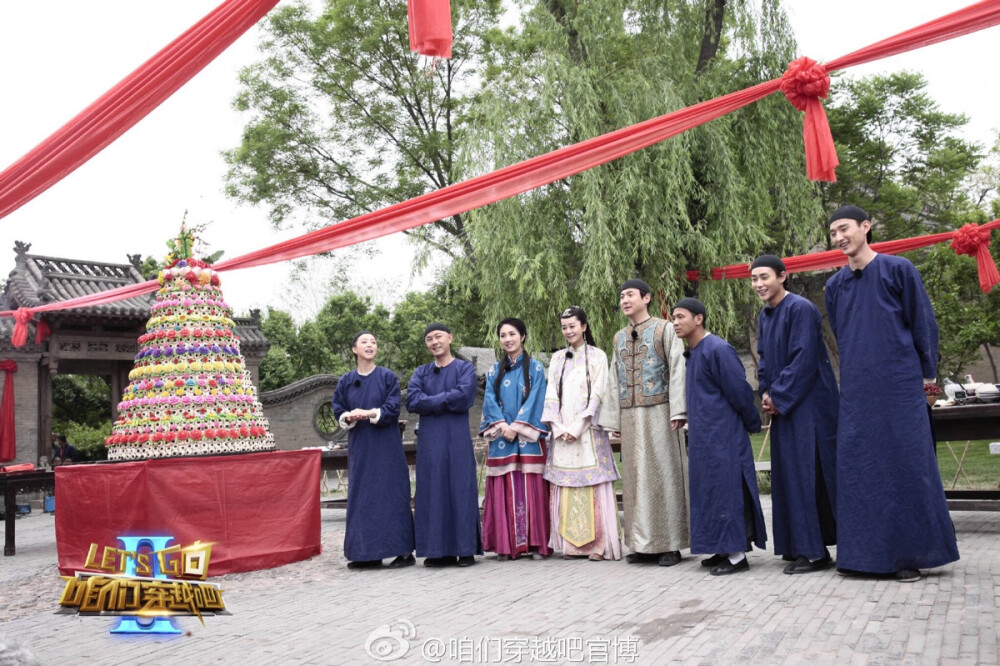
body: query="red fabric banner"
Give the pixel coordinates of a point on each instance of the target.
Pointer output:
(970, 239)
(258, 510)
(564, 162)
(430, 27)
(127, 103)
(8, 431)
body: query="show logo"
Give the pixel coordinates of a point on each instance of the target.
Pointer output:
(147, 582)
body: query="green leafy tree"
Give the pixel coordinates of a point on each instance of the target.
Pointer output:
(343, 119)
(712, 196)
(969, 320)
(81, 410)
(901, 158)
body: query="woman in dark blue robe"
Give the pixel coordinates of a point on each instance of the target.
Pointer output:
(446, 515)
(794, 372)
(892, 515)
(725, 506)
(379, 520)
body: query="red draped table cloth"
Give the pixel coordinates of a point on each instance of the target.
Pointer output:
(259, 510)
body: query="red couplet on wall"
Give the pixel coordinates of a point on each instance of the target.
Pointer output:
(259, 510)
(430, 27)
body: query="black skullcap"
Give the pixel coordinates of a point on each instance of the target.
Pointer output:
(359, 334)
(848, 212)
(436, 326)
(636, 283)
(692, 305)
(769, 261)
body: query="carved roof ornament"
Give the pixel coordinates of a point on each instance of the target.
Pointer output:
(20, 250)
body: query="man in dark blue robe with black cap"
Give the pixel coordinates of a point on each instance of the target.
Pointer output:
(799, 391)
(725, 507)
(446, 504)
(892, 516)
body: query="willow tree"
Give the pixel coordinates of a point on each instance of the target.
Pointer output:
(344, 120)
(712, 196)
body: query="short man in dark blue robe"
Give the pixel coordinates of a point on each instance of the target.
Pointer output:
(892, 516)
(446, 511)
(798, 389)
(725, 507)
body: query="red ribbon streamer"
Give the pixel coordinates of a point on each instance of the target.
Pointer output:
(42, 332)
(115, 112)
(430, 27)
(8, 431)
(970, 238)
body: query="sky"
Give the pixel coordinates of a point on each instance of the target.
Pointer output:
(57, 56)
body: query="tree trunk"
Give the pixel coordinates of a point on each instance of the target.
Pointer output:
(993, 363)
(715, 10)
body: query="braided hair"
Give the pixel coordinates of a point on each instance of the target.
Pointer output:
(575, 311)
(506, 364)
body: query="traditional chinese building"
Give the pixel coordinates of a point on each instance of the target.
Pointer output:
(98, 340)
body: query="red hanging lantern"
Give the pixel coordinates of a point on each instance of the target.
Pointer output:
(430, 27)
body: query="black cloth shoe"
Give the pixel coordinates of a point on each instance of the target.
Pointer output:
(466, 561)
(788, 558)
(907, 575)
(714, 561)
(364, 564)
(403, 561)
(803, 565)
(669, 559)
(728, 567)
(438, 562)
(642, 558)
(851, 573)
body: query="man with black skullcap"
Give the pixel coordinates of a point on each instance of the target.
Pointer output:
(646, 404)
(446, 520)
(725, 507)
(892, 516)
(798, 389)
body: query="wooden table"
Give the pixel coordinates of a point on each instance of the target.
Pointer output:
(968, 422)
(12, 483)
(336, 460)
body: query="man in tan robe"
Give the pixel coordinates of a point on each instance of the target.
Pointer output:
(646, 405)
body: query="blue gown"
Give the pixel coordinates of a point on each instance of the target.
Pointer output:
(795, 369)
(891, 509)
(720, 410)
(523, 413)
(447, 498)
(379, 521)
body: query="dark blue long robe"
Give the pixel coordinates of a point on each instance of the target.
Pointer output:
(447, 498)
(794, 368)
(379, 521)
(721, 410)
(891, 509)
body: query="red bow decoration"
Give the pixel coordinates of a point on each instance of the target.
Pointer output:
(430, 27)
(804, 83)
(21, 318)
(974, 241)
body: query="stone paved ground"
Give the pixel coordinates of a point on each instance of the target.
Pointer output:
(555, 611)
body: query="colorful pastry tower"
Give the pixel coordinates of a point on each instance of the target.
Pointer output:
(189, 392)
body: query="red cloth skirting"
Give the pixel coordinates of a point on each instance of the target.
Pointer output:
(259, 510)
(516, 514)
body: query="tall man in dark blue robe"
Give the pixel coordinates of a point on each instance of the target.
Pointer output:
(725, 507)
(798, 389)
(892, 517)
(446, 512)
